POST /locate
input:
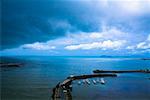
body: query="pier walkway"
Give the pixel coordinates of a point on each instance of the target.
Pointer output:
(66, 86)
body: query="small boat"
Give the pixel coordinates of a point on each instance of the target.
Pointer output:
(87, 81)
(102, 81)
(79, 83)
(84, 81)
(94, 81)
(71, 76)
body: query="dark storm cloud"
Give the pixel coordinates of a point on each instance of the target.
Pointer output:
(29, 21)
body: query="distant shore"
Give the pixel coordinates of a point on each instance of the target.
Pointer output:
(10, 64)
(145, 58)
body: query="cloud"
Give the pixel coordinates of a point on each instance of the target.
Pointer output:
(95, 35)
(130, 47)
(55, 18)
(130, 7)
(108, 33)
(135, 7)
(117, 11)
(62, 25)
(108, 38)
(143, 46)
(77, 26)
(98, 45)
(38, 46)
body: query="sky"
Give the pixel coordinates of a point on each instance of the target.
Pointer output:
(75, 27)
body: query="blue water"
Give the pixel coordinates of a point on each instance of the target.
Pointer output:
(38, 75)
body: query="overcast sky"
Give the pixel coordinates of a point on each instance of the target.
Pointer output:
(75, 27)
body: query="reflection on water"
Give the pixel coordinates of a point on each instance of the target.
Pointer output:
(38, 75)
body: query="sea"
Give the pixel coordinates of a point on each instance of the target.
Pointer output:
(38, 75)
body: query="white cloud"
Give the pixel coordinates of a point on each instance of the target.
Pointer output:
(143, 45)
(127, 6)
(98, 45)
(130, 47)
(109, 33)
(95, 35)
(121, 9)
(109, 38)
(38, 46)
(134, 6)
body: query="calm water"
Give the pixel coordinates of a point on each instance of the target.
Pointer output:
(38, 75)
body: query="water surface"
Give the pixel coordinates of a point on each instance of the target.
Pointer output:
(38, 75)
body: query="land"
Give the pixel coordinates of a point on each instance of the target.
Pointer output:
(10, 64)
(145, 58)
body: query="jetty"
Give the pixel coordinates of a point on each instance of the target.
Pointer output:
(66, 85)
(124, 71)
